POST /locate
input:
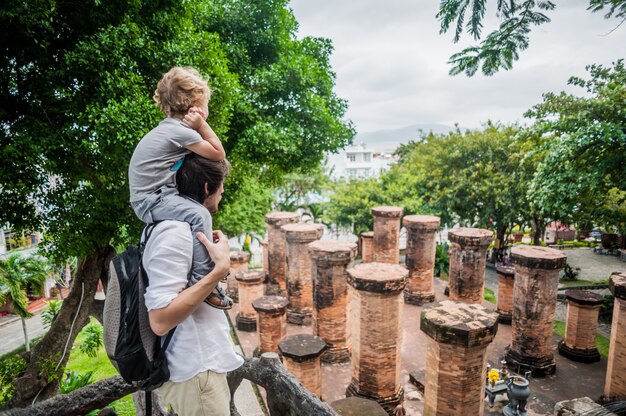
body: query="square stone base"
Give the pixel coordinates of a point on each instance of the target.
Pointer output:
(505, 317)
(298, 318)
(388, 403)
(538, 367)
(245, 324)
(418, 299)
(579, 355)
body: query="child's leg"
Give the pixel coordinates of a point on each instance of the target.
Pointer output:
(172, 206)
(179, 208)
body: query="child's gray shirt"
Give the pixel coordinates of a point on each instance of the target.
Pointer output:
(155, 159)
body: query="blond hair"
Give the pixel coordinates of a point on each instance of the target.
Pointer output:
(179, 89)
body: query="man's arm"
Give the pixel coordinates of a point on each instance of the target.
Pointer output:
(164, 319)
(210, 147)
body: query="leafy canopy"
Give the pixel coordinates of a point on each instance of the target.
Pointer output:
(500, 48)
(76, 81)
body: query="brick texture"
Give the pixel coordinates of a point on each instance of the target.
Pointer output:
(367, 246)
(238, 263)
(276, 250)
(386, 241)
(468, 258)
(420, 257)
(615, 385)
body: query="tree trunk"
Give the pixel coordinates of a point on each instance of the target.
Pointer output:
(26, 341)
(537, 227)
(79, 402)
(47, 360)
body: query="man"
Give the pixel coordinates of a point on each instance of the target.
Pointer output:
(200, 352)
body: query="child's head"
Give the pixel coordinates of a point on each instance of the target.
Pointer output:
(180, 89)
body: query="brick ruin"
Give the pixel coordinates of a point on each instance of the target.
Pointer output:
(355, 310)
(238, 263)
(376, 290)
(534, 303)
(579, 344)
(420, 257)
(468, 259)
(299, 282)
(250, 284)
(330, 261)
(276, 250)
(456, 357)
(506, 279)
(615, 384)
(386, 241)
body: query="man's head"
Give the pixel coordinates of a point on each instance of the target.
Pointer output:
(180, 89)
(202, 180)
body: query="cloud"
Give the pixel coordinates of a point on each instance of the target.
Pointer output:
(391, 62)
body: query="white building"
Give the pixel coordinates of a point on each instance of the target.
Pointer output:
(359, 162)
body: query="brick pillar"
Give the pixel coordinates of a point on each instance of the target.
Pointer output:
(456, 360)
(238, 263)
(506, 276)
(271, 322)
(534, 302)
(375, 320)
(386, 244)
(301, 355)
(367, 246)
(579, 344)
(468, 258)
(330, 260)
(266, 260)
(615, 385)
(299, 282)
(250, 288)
(420, 257)
(277, 250)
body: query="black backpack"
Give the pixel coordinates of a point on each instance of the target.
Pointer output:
(134, 350)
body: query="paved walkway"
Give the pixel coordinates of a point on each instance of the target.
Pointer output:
(12, 334)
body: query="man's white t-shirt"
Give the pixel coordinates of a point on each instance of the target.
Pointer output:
(201, 342)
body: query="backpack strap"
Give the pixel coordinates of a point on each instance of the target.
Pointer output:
(148, 397)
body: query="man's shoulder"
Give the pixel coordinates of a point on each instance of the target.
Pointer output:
(170, 233)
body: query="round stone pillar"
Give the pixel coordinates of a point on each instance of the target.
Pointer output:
(506, 276)
(277, 250)
(271, 322)
(375, 320)
(579, 344)
(358, 406)
(330, 260)
(420, 258)
(299, 282)
(250, 285)
(301, 355)
(468, 258)
(534, 302)
(367, 246)
(615, 385)
(238, 263)
(456, 360)
(386, 242)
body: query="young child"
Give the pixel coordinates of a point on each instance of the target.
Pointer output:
(183, 96)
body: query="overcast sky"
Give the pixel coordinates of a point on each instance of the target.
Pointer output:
(391, 62)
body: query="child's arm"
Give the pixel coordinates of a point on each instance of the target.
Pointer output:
(211, 146)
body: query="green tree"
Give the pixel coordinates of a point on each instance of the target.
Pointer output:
(582, 179)
(18, 274)
(76, 81)
(501, 47)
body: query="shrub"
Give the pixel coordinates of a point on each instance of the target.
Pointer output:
(10, 368)
(50, 312)
(75, 380)
(570, 273)
(92, 340)
(442, 260)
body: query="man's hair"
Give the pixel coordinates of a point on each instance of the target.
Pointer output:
(180, 89)
(196, 171)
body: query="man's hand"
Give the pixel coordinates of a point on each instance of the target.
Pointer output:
(195, 118)
(218, 250)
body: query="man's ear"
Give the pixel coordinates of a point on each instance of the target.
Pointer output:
(206, 190)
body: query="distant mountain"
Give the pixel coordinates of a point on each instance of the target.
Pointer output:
(389, 140)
